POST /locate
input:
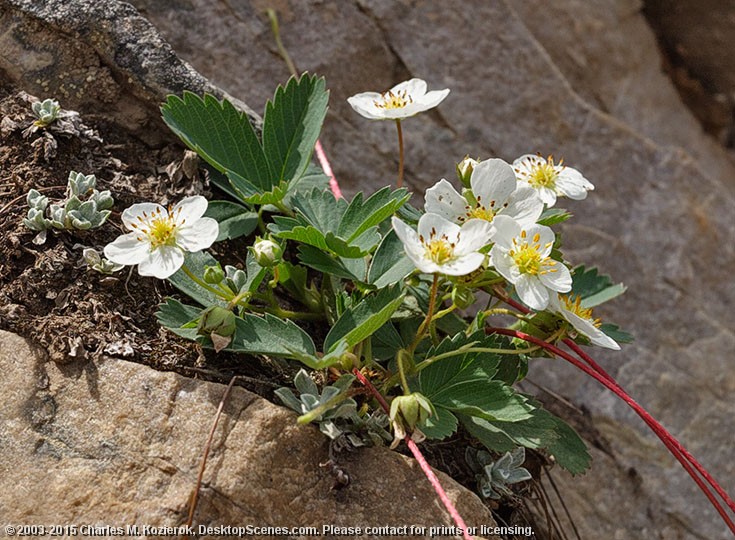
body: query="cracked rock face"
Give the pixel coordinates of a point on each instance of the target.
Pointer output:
(581, 80)
(119, 444)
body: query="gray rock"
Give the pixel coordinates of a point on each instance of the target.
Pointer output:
(117, 444)
(659, 219)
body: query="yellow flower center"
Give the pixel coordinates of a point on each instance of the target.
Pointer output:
(159, 228)
(440, 251)
(480, 212)
(527, 256)
(543, 175)
(574, 304)
(394, 101)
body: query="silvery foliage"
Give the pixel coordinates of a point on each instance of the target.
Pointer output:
(84, 207)
(98, 263)
(341, 422)
(494, 477)
(47, 111)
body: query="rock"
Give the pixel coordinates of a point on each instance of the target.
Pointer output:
(659, 219)
(112, 443)
(96, 57)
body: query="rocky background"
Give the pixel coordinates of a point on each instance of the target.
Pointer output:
(585, 80)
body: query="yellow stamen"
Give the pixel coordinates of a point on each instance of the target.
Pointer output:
(574, 304)
(394, 101)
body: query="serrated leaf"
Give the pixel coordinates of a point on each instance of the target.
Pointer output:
(465, 382)
(234, 219)
(320, 210)
(274, 196)
(569, 448)
(291, 125)
(174, 315)
(552, 216)
(360, 321)
(313, 178)
(440, 425)
(386, 341)
(590, 284)
(390, 264)
(221, 135)
(325, 263)
(362, 215)
(536, 431)
(269, 335)
(358, 247)
(196, 263)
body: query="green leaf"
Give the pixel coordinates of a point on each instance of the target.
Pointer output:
(221, 135)
(320, 210)
(271, 336)
(614, 331)
(390, 264)
(440, 425)
(291, 125)
(361, 216)
(464, 382)
(536, 431)
(325, 263)
(196, 263)
(274, 196)
(360, 321)
(592, 287)
(174, 315)
(569, 449)
(313, 178)
(552, 216)
(234, 219)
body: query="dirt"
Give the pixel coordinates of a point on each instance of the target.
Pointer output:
(47, 292)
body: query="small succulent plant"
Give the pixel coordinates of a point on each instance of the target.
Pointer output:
(46, 111)
(494, 477)
(84, 207)
(98, 263)
(340, 421)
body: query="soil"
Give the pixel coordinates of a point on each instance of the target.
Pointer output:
(48, 294)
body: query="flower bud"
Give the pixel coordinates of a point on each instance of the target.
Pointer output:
(464, 170)
(216, 320)
(267, 252)
(213, 274)
(463, 297)
(410, 410)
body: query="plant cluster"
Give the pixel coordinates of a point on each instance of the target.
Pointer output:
(84, 207)
(494, 476)
(385, 278)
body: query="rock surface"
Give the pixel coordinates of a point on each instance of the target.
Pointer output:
(113, 443)
(581, 80)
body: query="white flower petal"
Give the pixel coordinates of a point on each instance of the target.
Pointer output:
(475, 234)
(162, 262)
(595, 335)
(492, 182)
(572, 184)
(434, 98)
(434, 226)
(556, 277)
(198, 236)
(462, 265)
(528, 161)
(411, 243)
(548, 196)
(415, 88)
(524, 205)
(189, 209)
(364, 104)
(504, 264)
(532, 292)
(127, 249)
(140, 210)
(444, 200)
(546, 238)
(506, 228)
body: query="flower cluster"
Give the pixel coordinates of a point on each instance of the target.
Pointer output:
(493, 223)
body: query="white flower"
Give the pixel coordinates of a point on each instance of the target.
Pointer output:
(161, 236)
(521, 255)
(403, 100)
(551, 180)
(581, 319)
(494, 191)
(441, 246)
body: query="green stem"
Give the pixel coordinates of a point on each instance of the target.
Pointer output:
(279, 44)
(401, 359)
(466, 350)
(429, 315)
(399, 182)
(205, 285)
(298, 315)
